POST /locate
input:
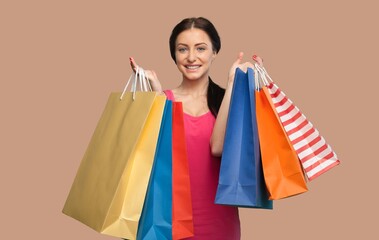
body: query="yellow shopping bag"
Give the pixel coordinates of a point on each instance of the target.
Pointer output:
(109, 189)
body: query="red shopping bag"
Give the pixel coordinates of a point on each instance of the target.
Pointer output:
(281, 167)
(316, 156)
(182, 220)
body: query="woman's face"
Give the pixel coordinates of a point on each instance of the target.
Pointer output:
(194, 54)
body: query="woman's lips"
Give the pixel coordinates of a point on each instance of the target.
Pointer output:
(192, 67)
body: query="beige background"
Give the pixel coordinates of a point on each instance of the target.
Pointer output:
(59, 60)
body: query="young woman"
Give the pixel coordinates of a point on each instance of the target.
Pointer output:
(194, 44)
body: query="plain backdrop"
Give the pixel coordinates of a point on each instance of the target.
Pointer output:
(59, 61)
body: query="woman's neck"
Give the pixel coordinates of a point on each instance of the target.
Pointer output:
(194, 87)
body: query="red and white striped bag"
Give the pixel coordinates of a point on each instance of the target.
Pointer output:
(315, 155)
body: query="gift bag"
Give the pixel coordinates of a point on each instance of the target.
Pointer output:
(156, 219)
(281, 167)
(182, 218)
(315, 154)
(241, 181)
(110, 185)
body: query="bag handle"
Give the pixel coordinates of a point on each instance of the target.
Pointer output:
(261, 77)
(137, 78)
(257, 80)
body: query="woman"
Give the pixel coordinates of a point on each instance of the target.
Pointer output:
(194, 45)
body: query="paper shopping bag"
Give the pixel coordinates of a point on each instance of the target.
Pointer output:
(156, 219)
(241, 181)
(316, 156)
(182, 217)
(110, 185)
(281, 167)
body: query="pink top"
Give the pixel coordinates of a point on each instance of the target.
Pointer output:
(211, 221)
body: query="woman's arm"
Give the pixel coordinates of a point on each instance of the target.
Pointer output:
(218, 134)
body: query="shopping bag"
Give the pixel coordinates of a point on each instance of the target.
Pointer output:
(281, 167)
(241, 181)
(156, 219)
(316, 156)
(110, 185)
(182, 217)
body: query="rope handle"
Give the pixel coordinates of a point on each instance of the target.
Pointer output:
(137, 78)
(261, 76)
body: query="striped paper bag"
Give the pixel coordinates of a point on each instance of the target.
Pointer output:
(316, 156)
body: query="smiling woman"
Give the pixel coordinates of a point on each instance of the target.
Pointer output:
(194, 54)
(194, 45)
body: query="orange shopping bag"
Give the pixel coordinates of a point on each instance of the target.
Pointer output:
(281, 167)
(182, 221)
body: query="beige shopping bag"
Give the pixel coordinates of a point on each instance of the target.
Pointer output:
(109, 189)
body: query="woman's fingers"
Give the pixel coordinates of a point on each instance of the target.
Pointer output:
(133, 64)
(150, 75)
(154, 74)
(245, 65)
(239, 59)
(153, 78)
(258, 59)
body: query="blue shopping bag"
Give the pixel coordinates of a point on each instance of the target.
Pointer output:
(156, 217)
(241, 181)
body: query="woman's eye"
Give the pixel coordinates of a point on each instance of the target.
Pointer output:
(182, 50)
(200, 49)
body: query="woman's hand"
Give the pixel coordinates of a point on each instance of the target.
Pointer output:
(218, 134)
(151, 76)
(243, 66)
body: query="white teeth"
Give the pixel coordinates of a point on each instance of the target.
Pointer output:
(192, 67)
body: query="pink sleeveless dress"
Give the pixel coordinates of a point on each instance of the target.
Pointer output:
(211, 221)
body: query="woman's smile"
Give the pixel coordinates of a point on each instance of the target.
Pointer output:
(192, 68)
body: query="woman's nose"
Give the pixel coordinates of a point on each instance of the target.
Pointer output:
(191, 56)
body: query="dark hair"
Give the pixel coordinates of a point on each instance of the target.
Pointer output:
(215, 93)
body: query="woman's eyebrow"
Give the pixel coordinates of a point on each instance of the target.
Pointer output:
(197, 44)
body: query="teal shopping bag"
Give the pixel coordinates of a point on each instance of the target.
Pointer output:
(156, 218)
